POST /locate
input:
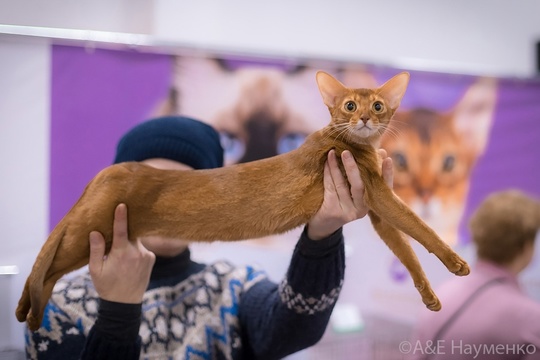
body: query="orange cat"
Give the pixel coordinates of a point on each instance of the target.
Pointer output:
(169, 203)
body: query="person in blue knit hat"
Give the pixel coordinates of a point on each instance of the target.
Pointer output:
(147, 299)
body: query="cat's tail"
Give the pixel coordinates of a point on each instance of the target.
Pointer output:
(31, 306)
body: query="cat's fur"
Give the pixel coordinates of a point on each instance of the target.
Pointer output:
(227, 203)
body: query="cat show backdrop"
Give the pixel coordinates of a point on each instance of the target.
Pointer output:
(454, 140)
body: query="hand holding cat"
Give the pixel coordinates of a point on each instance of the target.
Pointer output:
(343, 200)
(123, 274)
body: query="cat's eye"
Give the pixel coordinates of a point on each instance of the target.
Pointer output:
(350, 106)
(448, 163)
(378, 106)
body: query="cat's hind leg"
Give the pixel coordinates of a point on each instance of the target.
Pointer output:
(30, 300)
(35, 316)
(65, 250)
(400, 246)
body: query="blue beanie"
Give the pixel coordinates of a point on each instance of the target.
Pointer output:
(177, 138)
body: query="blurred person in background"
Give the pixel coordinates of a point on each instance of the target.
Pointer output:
(486, 315)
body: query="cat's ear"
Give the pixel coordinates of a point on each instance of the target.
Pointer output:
(329, 87)
(394, 89)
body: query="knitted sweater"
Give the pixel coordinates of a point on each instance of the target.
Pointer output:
(196, 311)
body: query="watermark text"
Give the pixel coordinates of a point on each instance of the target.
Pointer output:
(460, 347)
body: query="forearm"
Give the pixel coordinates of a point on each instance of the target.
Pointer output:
(115, 335)
(280, 320)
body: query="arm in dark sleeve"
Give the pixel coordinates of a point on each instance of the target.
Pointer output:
(115, 335)
(279, 320)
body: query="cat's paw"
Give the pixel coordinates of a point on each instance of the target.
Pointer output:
(32, 322)
(460, 267)
(433, 305)
(431, 301)
(428, 296)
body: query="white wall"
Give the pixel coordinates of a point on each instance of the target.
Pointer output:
(24, 159)
(480, 36)
(132, 16)
(494, 37)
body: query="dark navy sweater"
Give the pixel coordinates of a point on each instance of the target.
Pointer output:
(196, 311)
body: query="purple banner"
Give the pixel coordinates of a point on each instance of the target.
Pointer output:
(96, 96)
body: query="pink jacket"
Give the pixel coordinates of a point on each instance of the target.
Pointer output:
(497, 322)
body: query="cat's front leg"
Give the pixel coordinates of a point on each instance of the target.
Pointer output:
(400, 246)
(381, 199)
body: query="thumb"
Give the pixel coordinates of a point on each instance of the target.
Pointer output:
(97, 249)
(388, 172)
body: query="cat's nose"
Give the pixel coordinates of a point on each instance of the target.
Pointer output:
(364, 119)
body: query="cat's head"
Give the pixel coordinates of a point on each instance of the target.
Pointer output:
(361, 115)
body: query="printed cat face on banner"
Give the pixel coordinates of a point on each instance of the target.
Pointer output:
(434, 151)
(260, 109)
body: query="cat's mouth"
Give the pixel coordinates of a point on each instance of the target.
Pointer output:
(365, 130)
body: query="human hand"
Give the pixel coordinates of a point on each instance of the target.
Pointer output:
(123, 274)
(343, 198)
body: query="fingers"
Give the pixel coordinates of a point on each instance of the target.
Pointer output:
(339, 181)
(388, 172)
(387, 168)
(353, 176)
(120, 227)
(327, 176)
(120, 238)
(97, 250)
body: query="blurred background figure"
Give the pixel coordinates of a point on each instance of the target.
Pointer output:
(487, 310)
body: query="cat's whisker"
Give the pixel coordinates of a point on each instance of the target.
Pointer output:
(346, 131)
(397, 125)
(336, 131)
(390, 130)
(350, 134)
(396, 121)
(330, 133)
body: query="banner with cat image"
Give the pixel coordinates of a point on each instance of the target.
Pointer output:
(454, 140)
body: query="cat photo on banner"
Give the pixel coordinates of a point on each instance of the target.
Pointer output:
(434, 155)
(293, 182)
(262, 109)
(263, 106)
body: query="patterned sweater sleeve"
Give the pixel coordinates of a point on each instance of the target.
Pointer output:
(278, 320)
(114, 335)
